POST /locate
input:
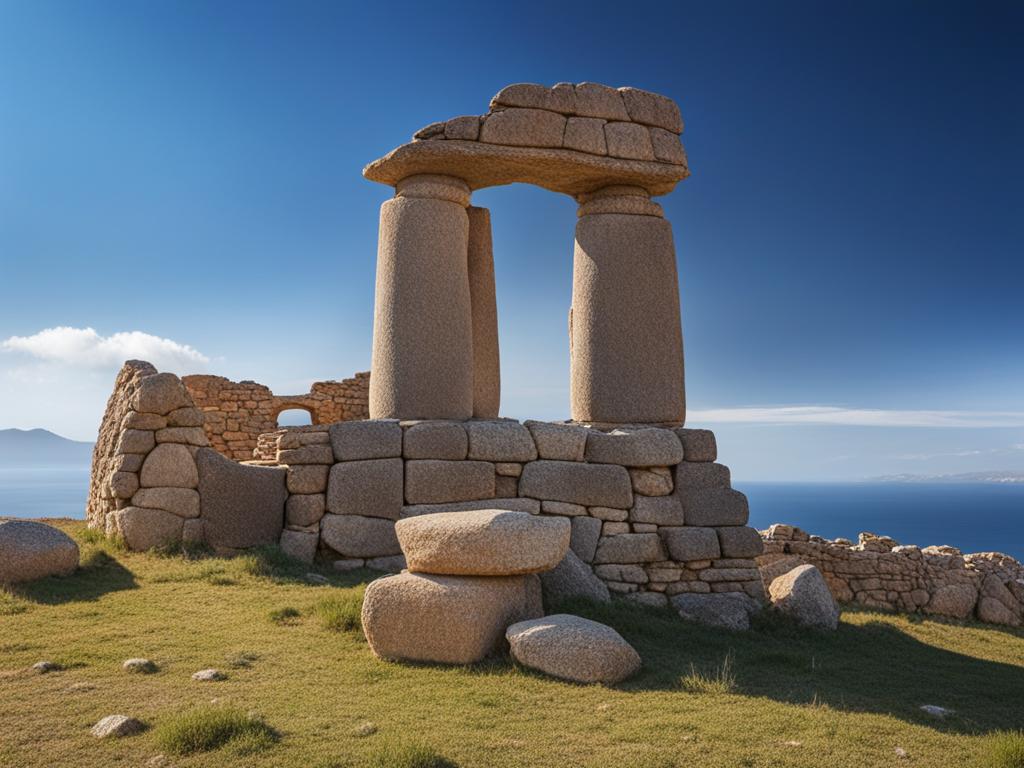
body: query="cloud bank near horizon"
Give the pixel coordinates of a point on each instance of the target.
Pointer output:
(85, 348)
(856, 417)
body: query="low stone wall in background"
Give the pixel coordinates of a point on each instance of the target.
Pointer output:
(878, 572)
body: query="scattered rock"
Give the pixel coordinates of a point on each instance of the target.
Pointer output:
(140, 666)
(936, 711)
(364, 729)
(803, 594)
(30, 551)
(42, 667)
(116, 726)
(209, 675)
(573, 648)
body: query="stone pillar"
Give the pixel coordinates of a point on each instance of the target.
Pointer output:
(626, 340)
(486, 362)
(422, 364)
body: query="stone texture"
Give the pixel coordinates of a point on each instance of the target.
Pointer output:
(714, 506)
(308, 478)
(124, 484)
(658, 510)
(639, 448)
(184, 417)
(652, 109)
(630, 548)
(307, 454)
(691, 543)
(241, 505)
(139, 666)
(299, 544)
(727, 610)
(183, 502)
(483, 543)
(445, 440)
(506, 486)
(183, 435)
(558, 442)
(625, 332)
(358, 536)
(372, 488)
(562, 508)
(160, 393)
(520, 127)
(484, 309)
(500, 441)
(629, 141)
(740, 541)
(464, 127)
(997, 604)
(572, 578)
(193, 532)
(508, 469)
(30, 550)
(305, 508)
(444, 619)
(954, 600)
(573, 648)
(651, 481)
(667, 147)
(597, 485)
(585, 134)
(690, 475)
(560, 98)
(169, 465)
(371, 439)
(143, 529)
(698, 444)
(530, 506)
(596, 100)
(423, 335)
(387, 564)
(116, 726)
(136, 441)
(435, 482)
(803, 594)
(586, 531)
(209, 675)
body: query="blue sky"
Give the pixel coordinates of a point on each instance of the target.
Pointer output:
(850, 239)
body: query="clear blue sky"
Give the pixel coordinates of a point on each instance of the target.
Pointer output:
(851, 236)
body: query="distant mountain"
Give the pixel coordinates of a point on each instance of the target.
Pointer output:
(991, 476)
(27, 448)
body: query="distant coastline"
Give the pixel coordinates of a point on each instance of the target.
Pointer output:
(989, 476)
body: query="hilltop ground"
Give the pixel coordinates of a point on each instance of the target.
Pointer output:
(295, 658)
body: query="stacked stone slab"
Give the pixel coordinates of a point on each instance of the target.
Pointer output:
(471, 575)
(878, 572)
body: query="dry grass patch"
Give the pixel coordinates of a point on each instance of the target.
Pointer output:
(204, 729)
(1004, 749)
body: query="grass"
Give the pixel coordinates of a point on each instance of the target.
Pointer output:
(204, 729)
(786, 697)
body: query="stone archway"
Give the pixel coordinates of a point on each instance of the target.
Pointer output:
(435, 347)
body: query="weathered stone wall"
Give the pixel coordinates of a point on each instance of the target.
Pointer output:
(651, 511)
(237, 413)
(878, 572)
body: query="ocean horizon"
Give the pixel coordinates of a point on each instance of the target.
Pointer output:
(974, 517)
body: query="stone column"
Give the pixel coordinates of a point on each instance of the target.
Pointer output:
(486, 362)
(422, 365)
(626, 340)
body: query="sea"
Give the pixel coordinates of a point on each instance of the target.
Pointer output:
(975, 517)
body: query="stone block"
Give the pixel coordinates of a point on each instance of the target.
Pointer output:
(586, 531)
(358, 536)
(169, 465)
(500, 441)
(652, 109)
(445, 440)
(558, 442)
(370, 439)
(241, 505)
(629, 141)
(183, 435)
(183, 502)
(727, 610)
(562, 508)
(609, 513)
(657, 510)
(628, 574)
(596, 100)
(585, 134)
(428, 481)
(299, 544)
(691, 543)
(304, 508)
(630, 548)
(651, 481)
(518, 127)
(639, 448)
(184, 417)
(123, 485)
(561, 98)
(698, 444)
(308, 478)
(143, 529)
(135, 441)
(508, 468)
(740, 542)
(147, 421)
(667, 146)
(705, 474)
(506, 486)
(160, 393)
(600, 485)
(614, 528)
(572, 578)
(307, 454)
(530, 506)
(193, 532)
(464, 127)
(714, 507)
(371, 488)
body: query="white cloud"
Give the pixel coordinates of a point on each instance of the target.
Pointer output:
(856, 417)
(85, 348)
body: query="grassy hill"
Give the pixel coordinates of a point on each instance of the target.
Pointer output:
(303, 689)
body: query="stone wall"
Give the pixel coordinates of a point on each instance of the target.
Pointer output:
(237, 413)
(878, 572)
(651, 511)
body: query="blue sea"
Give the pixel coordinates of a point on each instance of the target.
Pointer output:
(976, 517)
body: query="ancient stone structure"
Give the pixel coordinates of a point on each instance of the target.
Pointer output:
(435, 336)
(878, 572)
(236, 413)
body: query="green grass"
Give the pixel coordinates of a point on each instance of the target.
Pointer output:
(786, 698)
(204, 729)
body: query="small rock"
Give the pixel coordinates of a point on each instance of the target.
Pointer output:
(364, 729)
(141, 666)
(42, 667)
(316, 578)
(936, 711)
(573, 648)
(901, 753)
(116, 726)
(209, 675)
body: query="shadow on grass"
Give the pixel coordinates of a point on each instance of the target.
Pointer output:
(874, 667)
(99, 574)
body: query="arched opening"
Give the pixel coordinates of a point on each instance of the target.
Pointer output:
(295, 417)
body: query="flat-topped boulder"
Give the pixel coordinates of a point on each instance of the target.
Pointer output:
(573, 648)
(487, 542)
(30, 551)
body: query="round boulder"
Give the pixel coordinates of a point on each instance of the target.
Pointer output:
(803, 594)
(573, 648)
(485, 542)
(30, 551)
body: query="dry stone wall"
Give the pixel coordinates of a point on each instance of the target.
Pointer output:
(878, 572)
(236, 413)
(649, 509)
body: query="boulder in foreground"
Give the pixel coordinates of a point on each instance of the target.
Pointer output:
(573, 648)
(30, 551)
(803, 594)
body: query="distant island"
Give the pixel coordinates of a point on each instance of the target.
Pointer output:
(990, 476)
(40, 448)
